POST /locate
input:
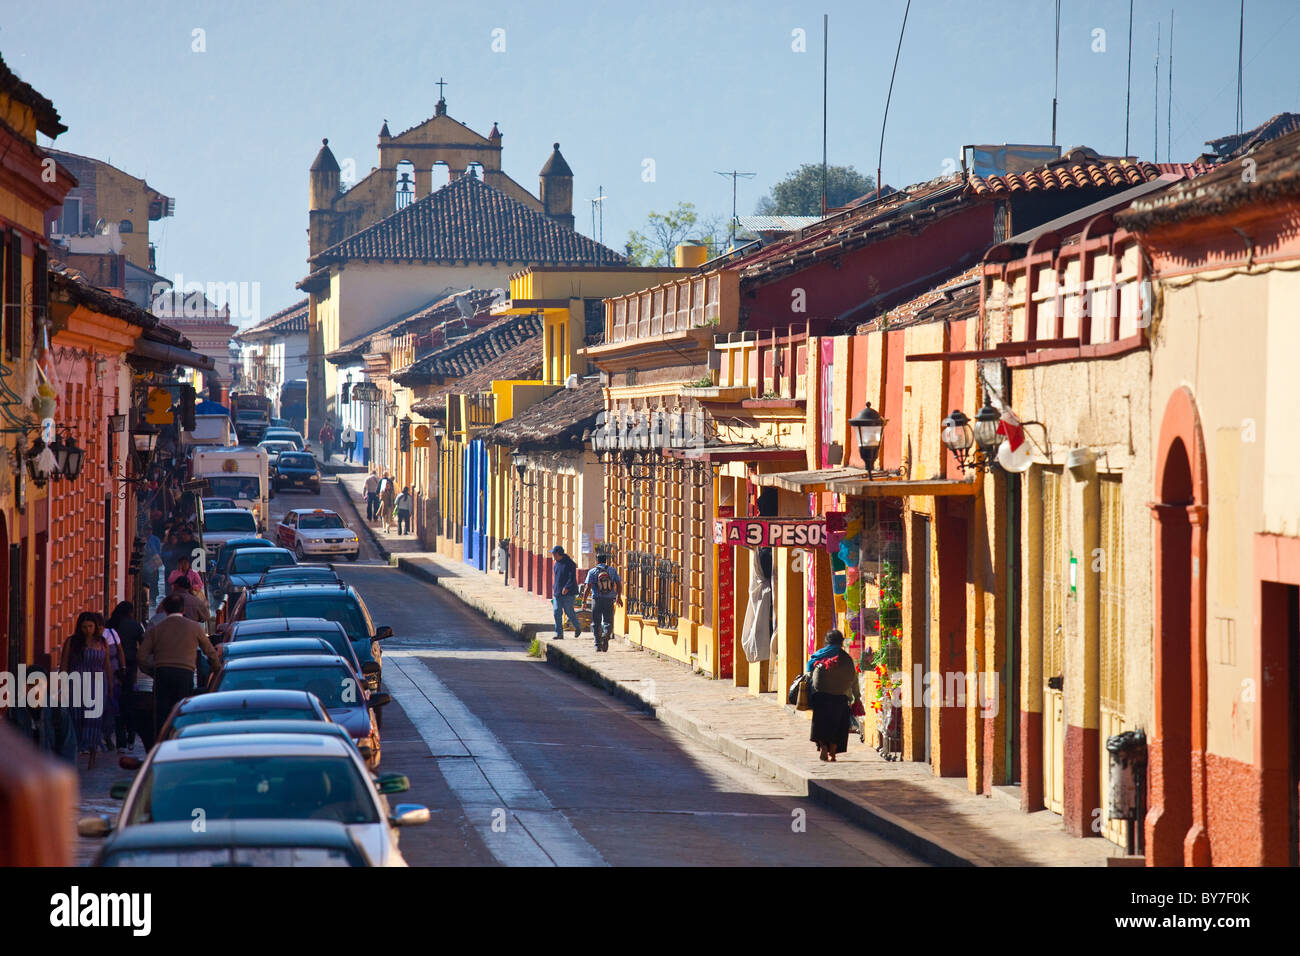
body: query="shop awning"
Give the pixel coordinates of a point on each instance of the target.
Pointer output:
(172, 355)
(809, 482)
(724, 453)
(900, 488)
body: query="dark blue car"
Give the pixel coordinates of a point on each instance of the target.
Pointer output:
(297, 470)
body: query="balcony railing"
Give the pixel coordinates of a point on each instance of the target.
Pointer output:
(689, 303)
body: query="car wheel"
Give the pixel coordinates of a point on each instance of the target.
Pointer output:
(354, 555)
(316, 490)
(299, 553)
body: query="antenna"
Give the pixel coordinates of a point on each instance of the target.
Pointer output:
(1056, 70)
(1169, 110)
(598, 203)
(826, 39)
(1128, 89)
(1155, 153)
(1241, 45)
(737, 175)
(881, 155)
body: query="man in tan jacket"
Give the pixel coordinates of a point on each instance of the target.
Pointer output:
(169, 651)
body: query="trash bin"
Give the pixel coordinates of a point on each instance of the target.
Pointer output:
(1127, 790)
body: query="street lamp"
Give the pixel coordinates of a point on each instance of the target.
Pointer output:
(958, 436)
(41, 462)
(867, 427)
(144, 439)
(68, 457)
(987, 436)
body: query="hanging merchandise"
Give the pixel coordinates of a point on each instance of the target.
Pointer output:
(756, 638)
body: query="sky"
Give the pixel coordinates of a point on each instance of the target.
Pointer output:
(223, 105)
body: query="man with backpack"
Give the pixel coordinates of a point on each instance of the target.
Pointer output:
(606, 589)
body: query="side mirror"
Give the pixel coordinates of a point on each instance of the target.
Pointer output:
(383, 633)
(365, 751)
(119, 790)
(392, 783)
(100, 826)
(409, 814)
(379, 700)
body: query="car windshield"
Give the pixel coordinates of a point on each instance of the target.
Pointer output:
(319, 522)
(214, 504)
(338, 607)
(247, 712)
(237, 488)
(255, 560)
(218, 522)
(255, 788)
(338, 641)
(233, 856)
(296, 460)
(334, 685)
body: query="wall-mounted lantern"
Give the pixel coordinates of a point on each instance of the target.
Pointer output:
(867, 428)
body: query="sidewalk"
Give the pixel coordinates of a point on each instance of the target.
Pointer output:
(936, 818)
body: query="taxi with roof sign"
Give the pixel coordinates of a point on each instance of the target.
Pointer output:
(317, 531)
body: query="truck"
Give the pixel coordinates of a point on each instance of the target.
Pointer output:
(214, 429)
(252, 416)
(293, 404)
(240, 474)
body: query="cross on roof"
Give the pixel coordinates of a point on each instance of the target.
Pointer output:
(441, 84)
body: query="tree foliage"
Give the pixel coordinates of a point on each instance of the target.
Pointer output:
(800, 193)
(665, 231)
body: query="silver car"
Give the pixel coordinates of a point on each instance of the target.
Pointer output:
(262, 777)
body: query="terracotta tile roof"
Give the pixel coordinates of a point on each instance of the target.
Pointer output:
(420, 320)
(1276, 176)
(1071, 175)
(1230, 147)
(469, 221)
(557, 421)
(72, 286)
(463, 357)
(288, 321)
(48, 120)
(956, 299)
(522, 362)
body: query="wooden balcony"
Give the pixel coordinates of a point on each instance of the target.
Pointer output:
(674, 310)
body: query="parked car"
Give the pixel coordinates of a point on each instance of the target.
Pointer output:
(227, 727)
(312, 531)
(340, 603)
(273, 448)
(236, 843)
(264, 778)
(280, 628)
(331, 678)
(275, 647)
(243, 705)
(226, 524)
(282, 423)
(300, 574)
(285, 434)
(245, 568)
(297, 470)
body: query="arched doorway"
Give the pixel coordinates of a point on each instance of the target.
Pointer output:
(1175, 824)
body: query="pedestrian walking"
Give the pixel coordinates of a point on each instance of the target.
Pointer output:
(372, 494)
(193, 604)
(169, 652)
(402, 508)
(605, 589)
(128, 632)
(87, 658)
(117, 661)
(387, 498)
(834, 687)
(185, 569)
(326, 436)
(349, 442)
(151, 565)
(564, 588)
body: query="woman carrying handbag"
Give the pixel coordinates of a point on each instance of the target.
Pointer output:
(834, 686)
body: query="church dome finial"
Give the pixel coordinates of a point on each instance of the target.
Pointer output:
(383, 131)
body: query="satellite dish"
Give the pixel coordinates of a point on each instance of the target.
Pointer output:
(571, 381)
(1017, 462)
(101, 226)
(499, 297)
(463, 306)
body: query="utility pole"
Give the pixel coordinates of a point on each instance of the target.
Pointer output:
(734, 176)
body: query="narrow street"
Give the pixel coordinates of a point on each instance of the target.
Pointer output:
(523, 765)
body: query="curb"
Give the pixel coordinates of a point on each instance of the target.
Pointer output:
(370, 532)
(909, 836)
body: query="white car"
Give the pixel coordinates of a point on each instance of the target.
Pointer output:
(265, 777)
(226, 524)
(317, 531)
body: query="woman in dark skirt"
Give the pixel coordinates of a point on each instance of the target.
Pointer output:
(834, 688)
